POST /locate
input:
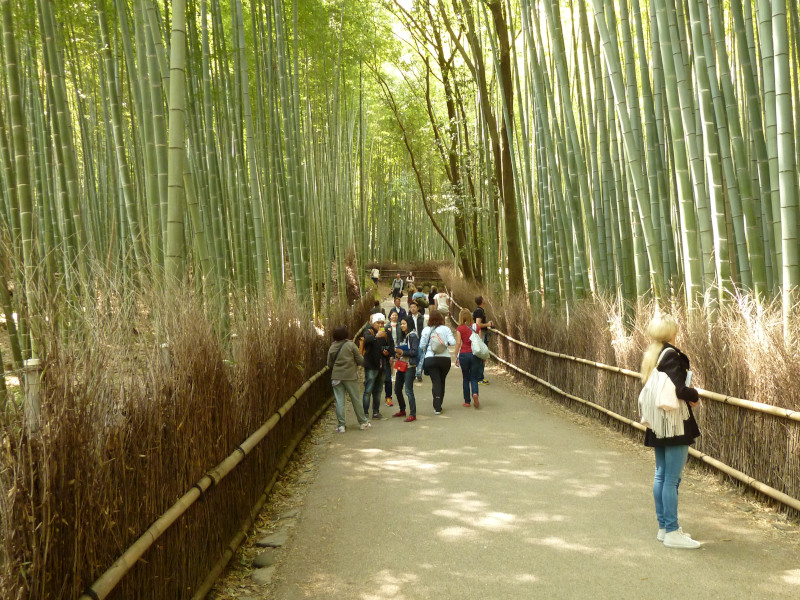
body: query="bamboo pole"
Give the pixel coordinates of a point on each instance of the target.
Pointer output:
(103, 586)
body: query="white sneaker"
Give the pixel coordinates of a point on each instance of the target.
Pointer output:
(364, 426)
(340, 429)
(662, 532)
(678, 539)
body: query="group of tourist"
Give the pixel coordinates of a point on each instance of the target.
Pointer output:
(413, 343)
(401, 348)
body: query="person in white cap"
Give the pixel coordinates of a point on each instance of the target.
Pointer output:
(379, 348)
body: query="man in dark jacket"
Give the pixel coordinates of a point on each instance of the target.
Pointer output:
(417, 321)
(482, 325)
(379, 349)
(416, 318)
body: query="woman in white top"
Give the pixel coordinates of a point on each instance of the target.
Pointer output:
(442, 301)
(436, 364)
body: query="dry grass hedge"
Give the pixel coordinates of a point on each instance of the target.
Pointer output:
(124, 435)
(739, 353)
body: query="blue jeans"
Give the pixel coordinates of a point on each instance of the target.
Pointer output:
(470, 370)
(351, 387)
(371, 386)
(405, 381)
(670, 461)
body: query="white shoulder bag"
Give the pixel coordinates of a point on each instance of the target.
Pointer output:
(659, 406)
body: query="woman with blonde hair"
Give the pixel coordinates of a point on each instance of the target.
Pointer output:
(671, 451)
(469, 364)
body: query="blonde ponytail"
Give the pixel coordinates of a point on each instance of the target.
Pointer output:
(661, 329)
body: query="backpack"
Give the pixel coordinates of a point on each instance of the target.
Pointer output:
(361, 347)
(479, 348)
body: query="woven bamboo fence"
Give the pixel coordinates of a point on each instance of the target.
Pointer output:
(119, 486)
(755, 443)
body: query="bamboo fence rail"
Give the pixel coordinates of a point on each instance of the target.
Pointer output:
(108, 580)
(775, 411)
(240, 536)
(749, 481)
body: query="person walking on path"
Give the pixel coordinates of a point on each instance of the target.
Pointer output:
(416, 318)
(343, 361)
(378, 349)
(397, 287)
(442, 301)
(482, 325)
(394, 333)
(417, 323)
(376, 275)
(436, 362)
(670, 452)
(406, 355)
(421, 299)
(469, 363)
(431, 296)
(410, 282)
(401, 312)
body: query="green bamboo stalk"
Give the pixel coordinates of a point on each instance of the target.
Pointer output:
(634, 160)
(175, 247)
(787, 167)
(22, 176)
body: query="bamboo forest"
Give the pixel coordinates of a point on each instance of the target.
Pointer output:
(193, 194)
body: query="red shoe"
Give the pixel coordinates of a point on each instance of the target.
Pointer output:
(389, 402)
(399, 413)
(466, 405)
(409, 419)
(476, 401)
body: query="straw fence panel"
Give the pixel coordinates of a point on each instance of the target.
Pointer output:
(760, 441)
(116, 450)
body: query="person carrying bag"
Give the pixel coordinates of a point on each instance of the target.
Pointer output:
(665, 372)
(434, 343)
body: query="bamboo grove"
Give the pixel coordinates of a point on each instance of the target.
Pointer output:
(560, 147)
(223, 143)
(646, 147)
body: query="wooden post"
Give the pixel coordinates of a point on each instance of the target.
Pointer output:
(33, 411)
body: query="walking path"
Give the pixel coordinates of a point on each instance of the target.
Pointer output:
(520, 499)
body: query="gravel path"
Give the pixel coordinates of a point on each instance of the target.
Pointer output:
(520, 499)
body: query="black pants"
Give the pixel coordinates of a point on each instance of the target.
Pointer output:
(437, 367)
(399, 384)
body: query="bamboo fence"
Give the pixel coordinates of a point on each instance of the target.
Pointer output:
(756, 407)
(104, 584)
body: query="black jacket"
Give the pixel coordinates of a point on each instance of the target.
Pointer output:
(418, 323)
(675, 365)
(374, 357)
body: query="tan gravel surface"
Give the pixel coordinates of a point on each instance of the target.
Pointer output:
(515, 500)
